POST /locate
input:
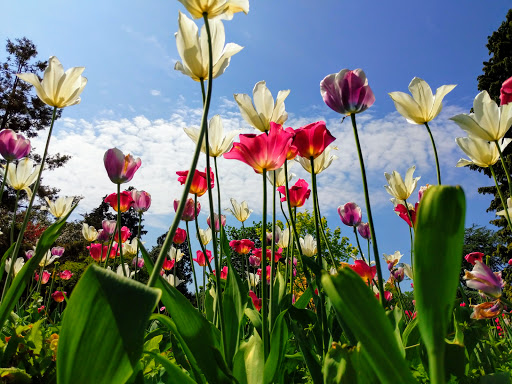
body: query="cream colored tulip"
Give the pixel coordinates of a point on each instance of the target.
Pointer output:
(21, 176)
(205, 235)
(175, 254)
(422, 106)
(264, 110)
(219, 142)
(193, 49)
(284, 238)
(509, 209)
(60, 207)
(120, 272)
(408, 271)
(488, 122)
(480, 152)
(393, 258)
(58, 88)
(215, 8)
(254, 279)
(130, 247)
(48, 259)
(280, 175)
(322, 162)
(240, 211)
(399, 188)
(308, 245)
(18, 264)
(89, 233)
(173, 280)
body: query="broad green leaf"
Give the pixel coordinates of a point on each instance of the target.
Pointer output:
(438, 242)
(102, 333)
(304, 299)
(173, 370)
(367, 320)
(15, 375)
(197, 333)
(248, 363)
(279, 339)
(255, 318)
(307, 348)
(24, 276)
(395, 317)
(35, 337)
(338, 367)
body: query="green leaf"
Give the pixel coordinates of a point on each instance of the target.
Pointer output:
(197, 333)
(102, 333)
(367, 320)
(279, 291)
(24, 276)
(438, 242)
(4, 258)
(304, 299)
(255, 318)
(15, 375)
(279, 339)
(338, 367)
(307, 348)
(36, 337)
(173, 370)
(249, 360)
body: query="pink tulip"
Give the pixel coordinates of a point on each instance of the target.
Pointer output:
(485, 280)
(223, 273)
(201, 260)
(190, 212)
(58, 296)
(13, 146)
(402, 212)
(364, 230)
(125, 200)
(139, 261)
(168, 264)
(120, 168)
(29, 254)
(350, 214)
(180, 236)
(125, 234)
(312, 139)
(255, 261)
(366, 272)
(141, 200)
(505, 92)
(298, 194)
(216, 222)
(347, 92)
(264, 151)
(57, 251)
(257, 303)
(473, 257)
(65, 275)
(45, 277)
(242, 247)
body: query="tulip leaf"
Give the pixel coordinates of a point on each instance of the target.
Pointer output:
(313, 265)
(197, 333)
(279, 337)
(368, 322)
(178, 376)
(338, 367)
(255, 318)
(304, 299)
(439, 238)
(24, 276)
(4, 258)
(102, 333)
(307, 348)
(249, 360)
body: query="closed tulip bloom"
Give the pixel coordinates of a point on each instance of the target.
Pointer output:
(223, 273)
(125, 234)
(65, 275)
(473, 257)
(308, 245)
(98, 251)
(312, 139)
(506, 92)
(364, 231)
(199, 184)
(322, 162)
(488, 122)
(58, 296)
(263, 151)
(205, 235)
(422, 106)
(175, 254)
(58, 88)
(217, 223)
(219, 143)
(213, 8)
(350, 214)
(108, 226)
(126, 201)
(254, 279)
(347, 91)
(485, 280)
(13, 146)
(168, 264)
(139, 261)
(89, 233)
(256, 302)
(399, 188)
(57, 251)
(480, 152)
(120, 168)
(103, 236)
(298, 194)
(180, 236)
(240, 211)
(191, 210)
(193, 49)
(284, 238)
(130, 247)
(21, 176)
(201, 260)
(141, 200)
(509, 208)
(18, 264)
(254, 260)
(280, 175)
(173, 280)
(61, 207)
(264, 111)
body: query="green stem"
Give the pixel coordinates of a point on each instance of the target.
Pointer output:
(203, 247)
(192, 263)
(10, 274)
(505, 168)
(272, 261)
(368, 209)
(322, 231)
(138, 241)
(119, 239)
(435, 154)
(4, 180)
(359, 246)
(436, 365)
(13, 224)
(264, 298)
(410, 228)
(507, 215)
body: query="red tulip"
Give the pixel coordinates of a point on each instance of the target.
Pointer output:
(255, 301)
(58, 296)
(65, 275)
(199, 184)
(366, 272)
(168, 264)
(201, 260)
(473, 257)
(242, 247)
(125, 234)
(223, 273)
(180, 236)
(298, 194)
(402, 212)
(312, 139)
(126, 201)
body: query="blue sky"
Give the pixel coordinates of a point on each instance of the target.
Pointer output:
(136, 101)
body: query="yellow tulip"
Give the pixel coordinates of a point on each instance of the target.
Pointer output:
(480, 152)
(399, 188)
(213, 8)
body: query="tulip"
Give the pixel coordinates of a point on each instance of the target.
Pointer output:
(65, 275)
(120, 272)
(89, 233)
(29, 254)
(173, 280)
(366, 272)
(125, 234)
(393, 259)
(180, 236)
(191, 210)
(298, 194)
(126, 201)
(61, 207)
(308, 245)
(387, 296)
(350, 214)
(240, 211)
(257, 303)
(58, 88)
(258, 272)
(141, 200)
(139, 261)
(312, 139)
(284, 238)
(264, 111)
(109, 226)
(255, 261)
(422, 190)
(223, 273)
(398, 274)
(473, 257)
(280, 175)
(407, 216)
(199, 184)
(168, 264)
(22, 176)
(321, 163)
(213, 8)
(45, 277)
(423, 106)
(129, 247)
(217, 224)
(488, 122)
(408, 271)
(399, 188)
(13, 146)
(193, 49)
(364, 231)
(487, 310)
(347, 92)
(485, 280)
(57, 251)
(253, 278)
(58, 296)
(480, 152)
(263, 151)
(272, 238)
(99, 251)
(18, 264)
(218, 142)
(48, 259)
(205, 235)
(509, 209)
(506, 92)
(200, 258)
(175, 254)
(242, 247)
(120, 168)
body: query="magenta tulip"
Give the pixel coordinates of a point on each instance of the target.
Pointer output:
(190, 212)
(120, 168)
(505, 92)
(216, 222)
(141, 200)
(350, 214)
(364, 231)
(13, 146)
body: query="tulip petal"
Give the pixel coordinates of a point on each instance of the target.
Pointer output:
(407, 107)
(248, 112)
(487, 113)
(437, 106)
(279, 116)
(263, 101)
(422, 94)
(468, 124)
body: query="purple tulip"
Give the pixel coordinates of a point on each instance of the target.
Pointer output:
(485, 280)
(364, 230)
(13, 146)
(120, 168)
(103, 236)
(141, 200)
(57, 251)
(109, 226)
(216, 220)
(350, 214)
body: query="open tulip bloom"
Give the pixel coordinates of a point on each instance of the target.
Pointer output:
(22, 176)
(399, 188)
(219, 142)
(480, 152)
(240, 211)
(215, 8)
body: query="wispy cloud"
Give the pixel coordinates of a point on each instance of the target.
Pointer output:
(155, 92)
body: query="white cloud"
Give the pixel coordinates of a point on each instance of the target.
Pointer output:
(155, 92)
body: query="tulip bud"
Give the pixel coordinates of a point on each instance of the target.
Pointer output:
(13, 146)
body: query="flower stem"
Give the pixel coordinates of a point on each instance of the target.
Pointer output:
(138, 242)
(119, 238)
(435, 154)
(13, 260)
(203, 247)
(324, 236)
(505, 206)
(272, 261)
(359, 246)
(368, 209)
(192, 263)
(505, 168)
(4, 180)
(264, 298)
